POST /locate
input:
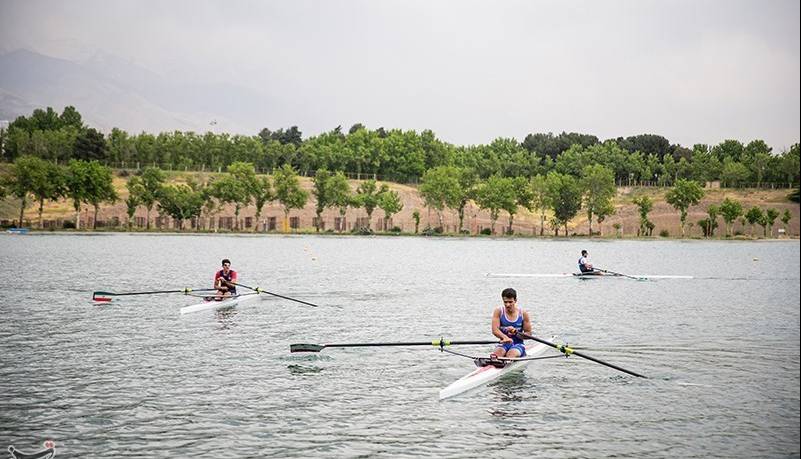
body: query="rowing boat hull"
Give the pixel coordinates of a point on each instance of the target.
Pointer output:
(216, 305)
(487, 374)
(590, 276)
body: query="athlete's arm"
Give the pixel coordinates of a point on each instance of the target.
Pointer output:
(526, 323)
(496, 327)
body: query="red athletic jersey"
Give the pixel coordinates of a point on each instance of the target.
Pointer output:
(220, 274)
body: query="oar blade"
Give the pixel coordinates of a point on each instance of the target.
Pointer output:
(303, 347)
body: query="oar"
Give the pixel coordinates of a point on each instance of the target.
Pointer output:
(568, 351)
(259, 290)
(437, 343)
(103, 296)
(620, 274)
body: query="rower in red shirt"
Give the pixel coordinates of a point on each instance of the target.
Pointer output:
(225, 280)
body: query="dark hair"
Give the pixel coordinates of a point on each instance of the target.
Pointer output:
(509, 293)
(225, 260)
(584, 252)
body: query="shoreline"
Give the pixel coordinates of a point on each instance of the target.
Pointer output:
(98, 232)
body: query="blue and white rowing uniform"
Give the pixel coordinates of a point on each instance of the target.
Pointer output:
(517, 341)
(582, 264)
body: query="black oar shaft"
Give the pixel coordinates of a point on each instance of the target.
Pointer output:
(618, 274)
(257, 289)
(585, 356)
(441, 343)
(412, 343)
(154, 292)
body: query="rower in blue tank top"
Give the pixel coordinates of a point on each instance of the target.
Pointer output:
(584, 263)
(507, 321)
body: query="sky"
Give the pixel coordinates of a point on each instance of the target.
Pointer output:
(694, 71)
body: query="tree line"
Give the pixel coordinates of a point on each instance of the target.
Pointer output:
(556, 197)
(32, 179)
(402, 156)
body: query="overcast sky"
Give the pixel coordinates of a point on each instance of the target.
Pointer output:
(695, 71)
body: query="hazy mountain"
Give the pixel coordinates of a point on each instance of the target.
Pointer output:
(12, 106)
(112, 92)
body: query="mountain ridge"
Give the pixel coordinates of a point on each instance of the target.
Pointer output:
(113, 92)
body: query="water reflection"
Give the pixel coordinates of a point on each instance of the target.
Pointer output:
(225, 318)
(512, 387)
(302, 370)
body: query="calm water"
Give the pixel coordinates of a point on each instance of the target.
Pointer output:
(136, 379)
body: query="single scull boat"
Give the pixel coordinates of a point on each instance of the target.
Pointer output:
(490, 369)
(210, 303)
(590, 276)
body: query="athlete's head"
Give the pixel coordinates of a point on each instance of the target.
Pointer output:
(509, 294)
(583, 253)
(226, 262)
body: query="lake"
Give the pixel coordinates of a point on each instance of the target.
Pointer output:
(135, 379)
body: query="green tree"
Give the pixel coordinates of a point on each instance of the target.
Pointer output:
(99, 187)
(27, 173)
(539, 198)
(795, 195)
(211, 205)
(757, 157)
(181, 202)
(320, 191)
(754, 216)
(288, 190)
(523, 198)
(786, 217)
(684, 194)
(644, 205)
(340, 194)
(574, 160)
(135, 189)
(712, 220)
(496, 194)
(242, 186)
(229, 190)
(734, 173)
(70, 117)
(598, 186)
(467, 180)
(90, 145)
(605, 211)
(49, 185)
(706, 166)
(152, 181)
(564, 194)
(262, 194)
(367, 196)
(790, 165)
(439, 187)
(770, 218)
(390, 202)
(77, 181)
(729, 149)
(416, 218)
(42, 179)
(730, 210)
